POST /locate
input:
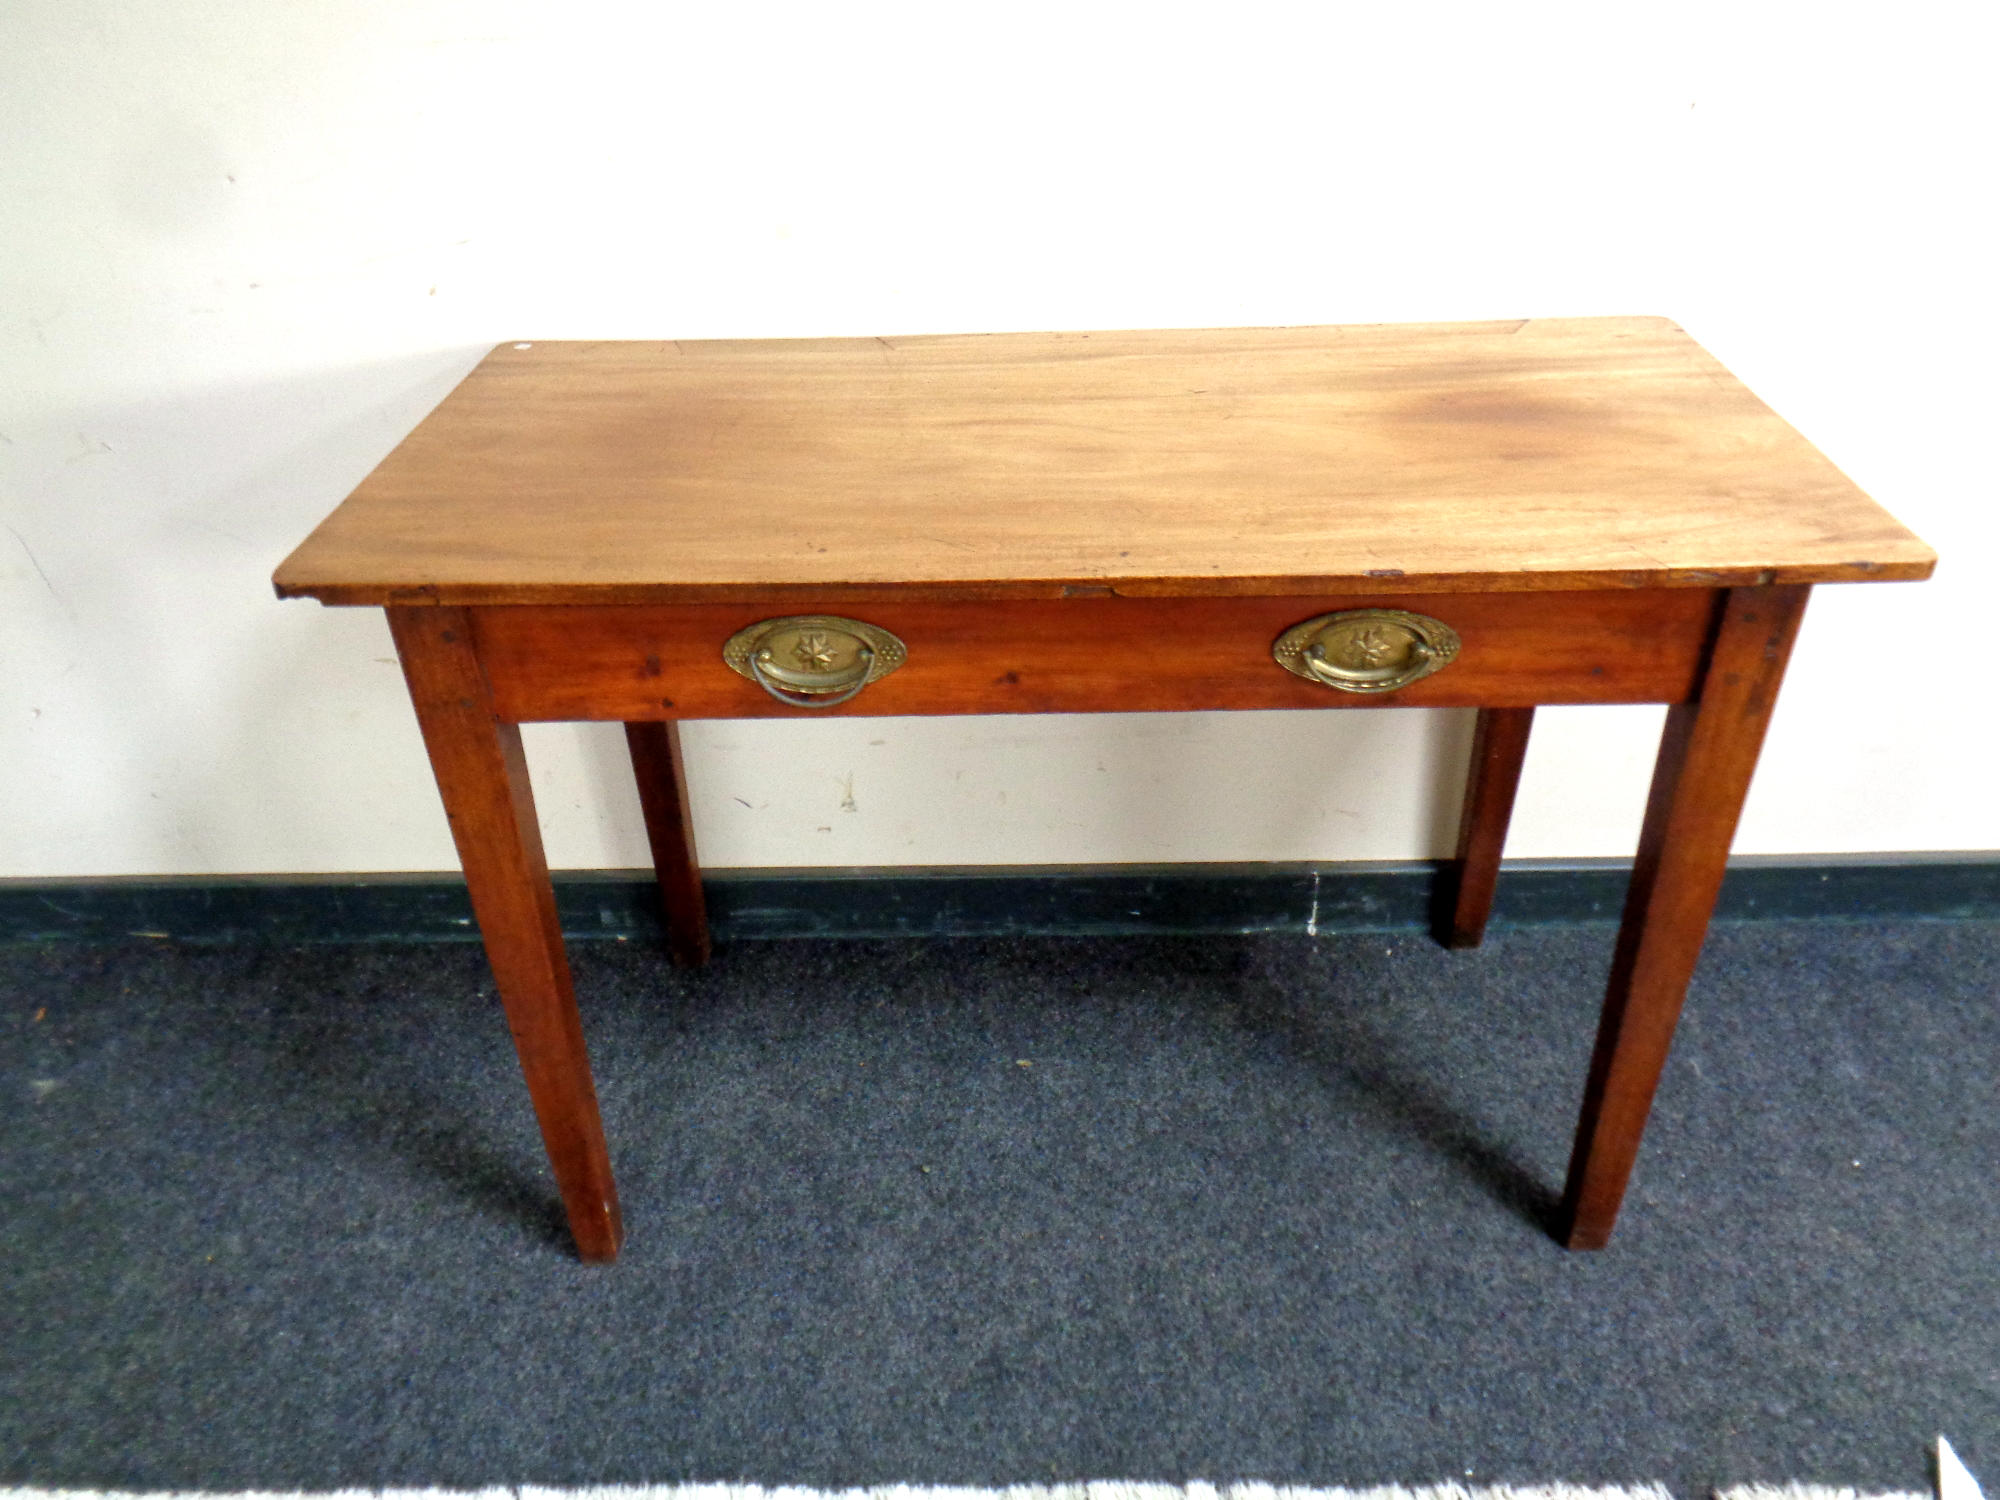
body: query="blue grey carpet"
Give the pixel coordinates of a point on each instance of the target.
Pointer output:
(989, 1211)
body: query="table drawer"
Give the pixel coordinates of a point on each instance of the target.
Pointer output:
(1098, 654)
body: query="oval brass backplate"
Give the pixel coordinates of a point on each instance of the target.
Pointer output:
(814, 654)
(1366, 650)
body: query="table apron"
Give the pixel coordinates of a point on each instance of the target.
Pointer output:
(1096, 654)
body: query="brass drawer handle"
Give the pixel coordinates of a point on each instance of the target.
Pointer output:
(1366, 650)
(813, 661)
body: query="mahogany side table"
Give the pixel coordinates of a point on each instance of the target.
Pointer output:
(1490, 515)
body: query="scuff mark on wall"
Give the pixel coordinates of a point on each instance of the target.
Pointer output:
(36, 564)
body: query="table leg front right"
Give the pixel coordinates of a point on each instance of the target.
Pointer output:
(1707, 756)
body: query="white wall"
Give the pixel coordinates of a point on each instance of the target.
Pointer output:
(244, 247)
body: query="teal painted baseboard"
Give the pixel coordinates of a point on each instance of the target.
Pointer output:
(1079, 900)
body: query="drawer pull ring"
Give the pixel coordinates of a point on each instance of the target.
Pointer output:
(801, 700)
(1366, 650)
(813, 661)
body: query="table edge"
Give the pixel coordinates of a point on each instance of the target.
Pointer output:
(1378, 581)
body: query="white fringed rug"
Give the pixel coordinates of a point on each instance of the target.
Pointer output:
(1954, 1482)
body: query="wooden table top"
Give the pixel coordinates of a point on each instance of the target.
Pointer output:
(1546, 454)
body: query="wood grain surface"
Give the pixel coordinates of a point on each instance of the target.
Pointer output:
(1546, 454)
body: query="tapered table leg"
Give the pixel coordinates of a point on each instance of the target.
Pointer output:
(484, 781)
(662, 777)
(1499, 747)
(1707, 755)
